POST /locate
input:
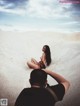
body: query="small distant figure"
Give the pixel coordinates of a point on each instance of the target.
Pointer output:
(41, 93)
(45, 59)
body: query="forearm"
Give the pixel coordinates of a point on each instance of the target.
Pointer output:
(56, 76)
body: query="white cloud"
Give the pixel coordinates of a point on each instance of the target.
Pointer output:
(1, 2)
(46, 9)
(13, 11)
(12, 8)
(37, 8)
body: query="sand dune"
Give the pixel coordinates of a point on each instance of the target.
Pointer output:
(16, 48)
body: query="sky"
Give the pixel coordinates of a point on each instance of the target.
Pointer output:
(53, 15)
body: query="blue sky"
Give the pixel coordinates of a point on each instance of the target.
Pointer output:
(53, 15)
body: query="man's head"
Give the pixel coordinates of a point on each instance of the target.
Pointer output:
(38, 77)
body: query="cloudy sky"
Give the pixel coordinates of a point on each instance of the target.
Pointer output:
(57, 15)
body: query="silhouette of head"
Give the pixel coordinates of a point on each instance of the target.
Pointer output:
(38, 77)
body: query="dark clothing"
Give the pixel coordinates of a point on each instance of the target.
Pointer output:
(39, 96)
(42, 65)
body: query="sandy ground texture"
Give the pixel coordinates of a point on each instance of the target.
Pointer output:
(16, 48)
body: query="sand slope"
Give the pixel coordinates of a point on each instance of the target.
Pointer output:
(16, 48)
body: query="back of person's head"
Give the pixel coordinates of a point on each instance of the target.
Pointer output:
(48, 54)
(38, 77)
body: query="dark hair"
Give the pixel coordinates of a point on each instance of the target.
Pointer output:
(39, 77)
(48, 54)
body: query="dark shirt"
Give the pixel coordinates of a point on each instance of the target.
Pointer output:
(41, 64)
(39, 96)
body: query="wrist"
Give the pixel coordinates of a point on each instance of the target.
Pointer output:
(47, 71)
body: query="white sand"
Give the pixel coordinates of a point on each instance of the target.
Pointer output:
(16, 48)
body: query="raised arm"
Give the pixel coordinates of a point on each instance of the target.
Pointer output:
(58, 78)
